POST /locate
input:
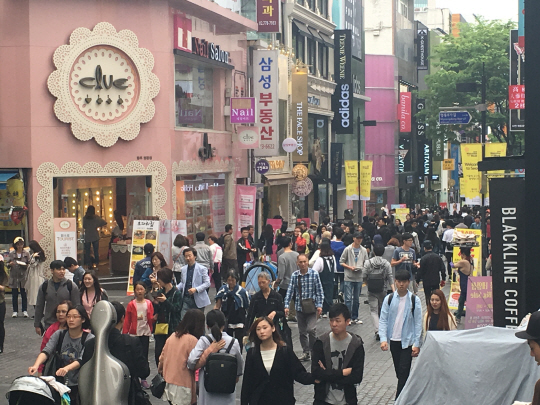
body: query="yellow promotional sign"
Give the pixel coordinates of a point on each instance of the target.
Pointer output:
(495, 150)
(401, 214)
(449, 164)
(366, 168)
(351, 180)
(471, 154)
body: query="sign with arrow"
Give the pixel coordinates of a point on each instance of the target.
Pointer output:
(422, 49)
(454, 117)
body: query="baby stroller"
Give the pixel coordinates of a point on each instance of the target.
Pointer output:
(30, 390)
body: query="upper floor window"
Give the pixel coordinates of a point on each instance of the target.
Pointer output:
(404, 8)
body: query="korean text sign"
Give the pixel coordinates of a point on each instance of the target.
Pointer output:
(265, 90)
(268, 15)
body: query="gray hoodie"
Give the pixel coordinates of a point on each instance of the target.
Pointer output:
(349, 258)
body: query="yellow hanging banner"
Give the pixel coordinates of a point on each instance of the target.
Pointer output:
(366, 168)
(351, 180)
(471, 154)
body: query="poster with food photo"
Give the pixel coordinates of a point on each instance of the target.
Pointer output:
(144, 231)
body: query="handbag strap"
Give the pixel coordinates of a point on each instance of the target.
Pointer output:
(299, 287)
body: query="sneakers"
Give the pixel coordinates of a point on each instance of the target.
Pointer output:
(341, 298)
(14, 315)
(356, 322)
(145, 384)
(325, 315)
(25, 314)
(305, 357)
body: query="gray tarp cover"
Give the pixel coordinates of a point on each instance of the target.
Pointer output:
(471, 367)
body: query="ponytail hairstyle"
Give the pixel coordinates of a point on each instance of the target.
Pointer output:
(215, 320)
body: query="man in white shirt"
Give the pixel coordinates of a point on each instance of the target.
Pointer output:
(217, 255)
(447, 237)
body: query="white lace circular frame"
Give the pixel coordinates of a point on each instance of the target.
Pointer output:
(65, 57)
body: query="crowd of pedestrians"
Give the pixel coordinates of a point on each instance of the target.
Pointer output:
(321, 270)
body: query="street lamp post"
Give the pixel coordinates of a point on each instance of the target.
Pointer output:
(359, 123)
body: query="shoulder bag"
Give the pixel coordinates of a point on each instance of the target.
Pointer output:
(307, 304)
(163, 327)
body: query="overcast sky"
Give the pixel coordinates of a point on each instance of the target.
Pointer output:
(490, 9)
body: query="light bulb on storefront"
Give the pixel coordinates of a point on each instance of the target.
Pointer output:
(110, 215)
(97, 192)
(110, 198)
(110, 209)
(85, 193)
(73, 195)
(73, 201)
(110, 191)
(97, 198)
(72, 208)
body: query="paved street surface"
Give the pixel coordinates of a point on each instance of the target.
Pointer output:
(378, 386)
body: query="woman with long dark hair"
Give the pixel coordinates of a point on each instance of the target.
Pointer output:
(18, 261)
(91, 223)
(438, 316)
(216, 341)
(177, 252)
(36, 272)
(181, 388)
(62, 310)
(320, 230)
(266, 240)
(71, 343)
(464, 268)
(271, 368)
(281, 233)
(91, 292)
(326, 266)
(150, 275)
(3, 284)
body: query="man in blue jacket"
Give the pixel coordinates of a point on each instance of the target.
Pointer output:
(400, 327)
(144, 264)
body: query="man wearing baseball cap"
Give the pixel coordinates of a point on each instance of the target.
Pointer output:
(532, 334)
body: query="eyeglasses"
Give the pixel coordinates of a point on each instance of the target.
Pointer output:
(73, 316)
(61, 312)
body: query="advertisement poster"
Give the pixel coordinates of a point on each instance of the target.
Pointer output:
(455, 292)
(476, 252)
(165, 241)
(245, 207)
(401, 214)
(494, 150)
(178, 227)
(366, 170)
(276, 225)
(217, 207)
(12, 196)
(351, 180)
(471, 154)
(479, 303)
(143, 232)
(65, 238)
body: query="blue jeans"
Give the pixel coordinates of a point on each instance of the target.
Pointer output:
(87, 256)
(353, 289)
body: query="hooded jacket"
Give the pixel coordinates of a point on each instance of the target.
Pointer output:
(353, 358)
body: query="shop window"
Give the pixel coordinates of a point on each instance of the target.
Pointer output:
(201, 202)
(194, 95)
(404, 8)
(299, 44)
(312, 55)
(322, 57)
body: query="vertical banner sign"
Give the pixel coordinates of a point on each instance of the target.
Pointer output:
(479, 303)
(165, 242)
(143, 232)
(366, 171)
(425, 157)
(521, 24)
(471, 154)
(245, 207)
(265, 90)
(65, 238)
(508, 251)
(352, 20)
(343, 93)
(517, 77)
(454, 154)
(420, 124)
(494, 150)
(438, 149)
(299, 114)
(351, 180)
(404, 112)
(268, 15)
(336, 162)
(404, 157)
(422, 49)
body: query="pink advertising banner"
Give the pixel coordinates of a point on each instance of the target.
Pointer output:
(243, 110)
(165, 242)
(479, 303)
(276, 224)
(245, 207)
(217, 207)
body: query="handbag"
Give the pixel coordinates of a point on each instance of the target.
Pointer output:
(158, 386)
(163, 328)
(307, 304)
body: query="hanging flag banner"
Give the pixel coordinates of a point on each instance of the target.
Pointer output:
(265, 90)
(245, 207)
(366, 171)
(144, 232)
(336, 162)
(471, 154)
(299, 114)
(65, 238)
(494, 150)
(351, 180)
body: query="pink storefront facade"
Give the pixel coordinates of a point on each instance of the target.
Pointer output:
(62, 133)
(381, 142)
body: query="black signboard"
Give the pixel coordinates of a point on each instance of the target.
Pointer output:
(422, 48)
(517, 76)
(404, 155)
(353, 21)
(343, 93)
(336, 162)
(507, 206)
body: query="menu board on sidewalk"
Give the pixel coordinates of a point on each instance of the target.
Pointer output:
(65, 238)
(143, 232)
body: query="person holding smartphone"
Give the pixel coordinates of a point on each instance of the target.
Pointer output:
(405, 259)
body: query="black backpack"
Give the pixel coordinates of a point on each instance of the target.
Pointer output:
(413, 301)
(45, 285)
(375, 279)
(221, 240)
(220, 371)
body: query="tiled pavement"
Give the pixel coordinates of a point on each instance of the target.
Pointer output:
(378, 386)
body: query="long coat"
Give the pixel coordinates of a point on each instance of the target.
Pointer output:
(17, 272)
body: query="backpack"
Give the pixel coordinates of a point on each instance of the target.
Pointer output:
(221, 240)
(54, 361)
(220, 371)
(312, 244)
(45, 285)
(413, 301)
(375, 278)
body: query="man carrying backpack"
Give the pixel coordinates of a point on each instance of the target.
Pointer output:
(229, 260)
(431, 266)
(400, 327)
(51, 293)
(379, 279)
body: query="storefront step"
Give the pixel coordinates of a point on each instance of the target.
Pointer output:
(113, 283)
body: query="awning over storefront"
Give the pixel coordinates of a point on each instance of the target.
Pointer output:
(327, 40)
(279, 179)
(304, 30)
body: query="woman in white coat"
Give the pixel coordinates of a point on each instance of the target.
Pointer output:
(36, 274)
(217, 341)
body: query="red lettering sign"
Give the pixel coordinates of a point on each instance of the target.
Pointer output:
(516, 97)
